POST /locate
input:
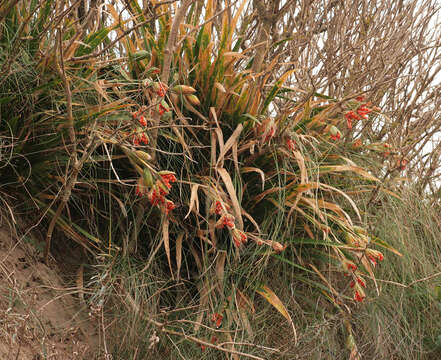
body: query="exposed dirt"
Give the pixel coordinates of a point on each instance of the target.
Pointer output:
(39, 317)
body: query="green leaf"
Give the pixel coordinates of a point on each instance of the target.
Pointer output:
(281, 258)
(385, 245)
(92, 41)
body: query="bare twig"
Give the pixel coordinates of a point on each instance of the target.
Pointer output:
(408, 285)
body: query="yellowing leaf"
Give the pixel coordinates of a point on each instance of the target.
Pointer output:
(384, 244)
(341, 168)
(298, 189)
(273, 299)
(235, 55)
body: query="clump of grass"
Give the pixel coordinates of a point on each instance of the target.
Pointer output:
(404, 320)
(194, 171)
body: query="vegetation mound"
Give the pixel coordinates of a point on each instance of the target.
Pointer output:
(225, 164)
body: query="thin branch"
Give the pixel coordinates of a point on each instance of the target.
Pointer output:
(168, 56)
(169, 49)
(207, 344)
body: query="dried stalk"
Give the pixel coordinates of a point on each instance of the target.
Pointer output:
(74, 165)
(168, 56)
(168, 51)
(210, 345)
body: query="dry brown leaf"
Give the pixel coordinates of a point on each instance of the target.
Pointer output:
(366, 264)
(232, 193)
(246, 322)
(220, 140)
(340, 168)
(308, 231)
(191, 108)
(257, 170)
(212, 231)
(335, 208)
(203, 301)
(231, 346)
(322, 114)
(220, 267)
(328, 284)
(234, 22)
(236, 159)
(213, 148)
(301, 188)
(99, 87)
(179, 255)
(228, 145)
(166, 240)
(312, 203)
(244, 302)
(301, 162)
(194, 200)
(324, 186)
(80, 282)
(213, 116)
(196, 257)
(234, 54)
(250, 218)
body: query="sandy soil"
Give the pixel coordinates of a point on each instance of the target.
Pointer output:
(40, 318)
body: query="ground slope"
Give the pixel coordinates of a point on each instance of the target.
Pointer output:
(39, 317)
